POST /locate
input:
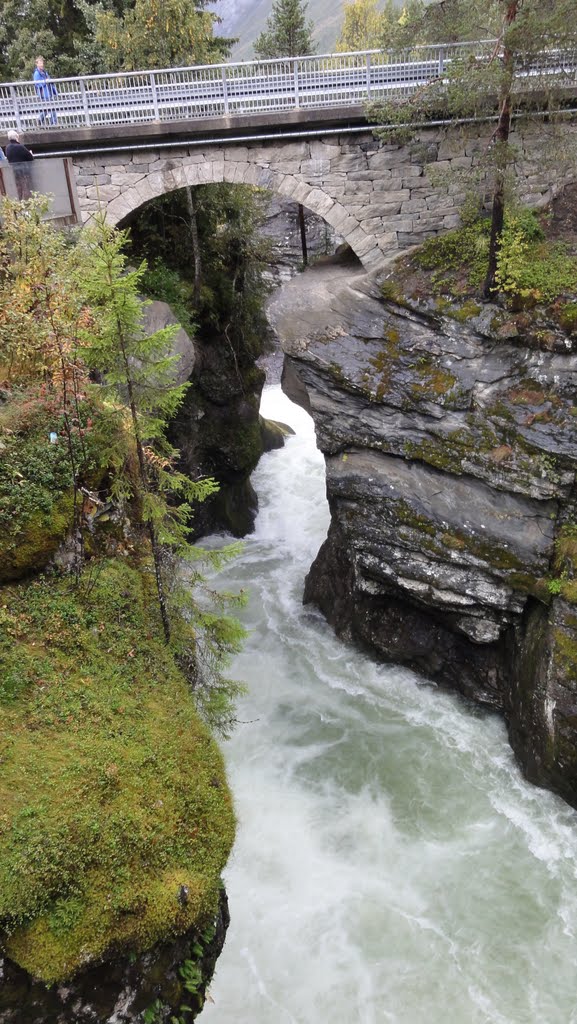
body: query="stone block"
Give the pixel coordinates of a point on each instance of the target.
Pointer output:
(440, 203)
(391, 196)
(196, 155)
(413, 206)
(341, 220)
(104, 193)
(387, 240)
(383, 209)
(315, 167)
(360, 176)
(323, 150)
(355, 188)
(116, 160)
(383, 181)
(239, 171)
(359, 241)
(352, 162)
(163, 165)
(124, 179)
(372, 225)
(217, 170)
(373, 260)
(389, 157)
(85, 179)
(235, 154)
(260, 177)
(287, 185)
(319, 202)
(141, 168)
(401, 223)
(451, 221)
(407, 171)
(406, 240)
(427, 221)
(301, 192)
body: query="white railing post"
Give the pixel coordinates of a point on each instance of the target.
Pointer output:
(368, 76)
(296, 81)
(441, 62)
(154, 96)
(85, 103)
(14, 96)
(224, 90)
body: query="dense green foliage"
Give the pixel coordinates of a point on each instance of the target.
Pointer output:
(232, 258)
(530, 268)
(112, 793)
(92, 36)
(160, 33)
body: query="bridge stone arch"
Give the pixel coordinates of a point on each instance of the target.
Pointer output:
(379, 198)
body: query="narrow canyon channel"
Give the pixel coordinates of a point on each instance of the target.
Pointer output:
(391, 863)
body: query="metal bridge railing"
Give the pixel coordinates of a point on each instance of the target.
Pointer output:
(249, 87)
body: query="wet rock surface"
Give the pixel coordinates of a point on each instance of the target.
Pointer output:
(451, 460)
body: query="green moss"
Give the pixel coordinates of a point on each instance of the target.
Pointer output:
(113, 794)
(435, 382)
(392, 292)
(566, 651)
(465, 312)
(37, 540)
(37, 476)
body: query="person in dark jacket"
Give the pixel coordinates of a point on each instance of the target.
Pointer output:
(21, 156)
(45, 89)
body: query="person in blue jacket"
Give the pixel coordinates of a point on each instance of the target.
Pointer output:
(45, 88)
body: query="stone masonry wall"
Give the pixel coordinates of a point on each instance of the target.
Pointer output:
(379, 198)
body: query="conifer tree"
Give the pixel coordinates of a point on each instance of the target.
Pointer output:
(287, 32)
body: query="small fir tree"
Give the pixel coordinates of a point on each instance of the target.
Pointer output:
(287, 32)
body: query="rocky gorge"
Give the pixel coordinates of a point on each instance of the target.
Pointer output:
(449, 442)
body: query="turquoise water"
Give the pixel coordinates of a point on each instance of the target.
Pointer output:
(391, 863)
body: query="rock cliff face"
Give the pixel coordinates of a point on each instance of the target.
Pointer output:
(450, 456)
(218, 429)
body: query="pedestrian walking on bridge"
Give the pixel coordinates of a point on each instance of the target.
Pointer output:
(46, 90)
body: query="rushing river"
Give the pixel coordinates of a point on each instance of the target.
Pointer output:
(391, 863)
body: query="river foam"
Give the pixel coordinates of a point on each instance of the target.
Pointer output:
(391, 863)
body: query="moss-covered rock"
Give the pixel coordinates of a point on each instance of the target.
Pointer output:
(116, 819)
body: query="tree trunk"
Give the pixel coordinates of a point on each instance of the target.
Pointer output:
(156, 547)
(196, 261)
(303, 230)
(501, 141)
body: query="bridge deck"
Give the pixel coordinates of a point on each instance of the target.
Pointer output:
(241, 96)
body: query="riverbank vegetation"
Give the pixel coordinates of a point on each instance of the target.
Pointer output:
(115, 816)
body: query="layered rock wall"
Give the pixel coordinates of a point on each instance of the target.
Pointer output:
(451, 456)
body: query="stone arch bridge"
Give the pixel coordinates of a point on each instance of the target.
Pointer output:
(379, 198)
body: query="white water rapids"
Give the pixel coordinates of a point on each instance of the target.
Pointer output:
(391, 864)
